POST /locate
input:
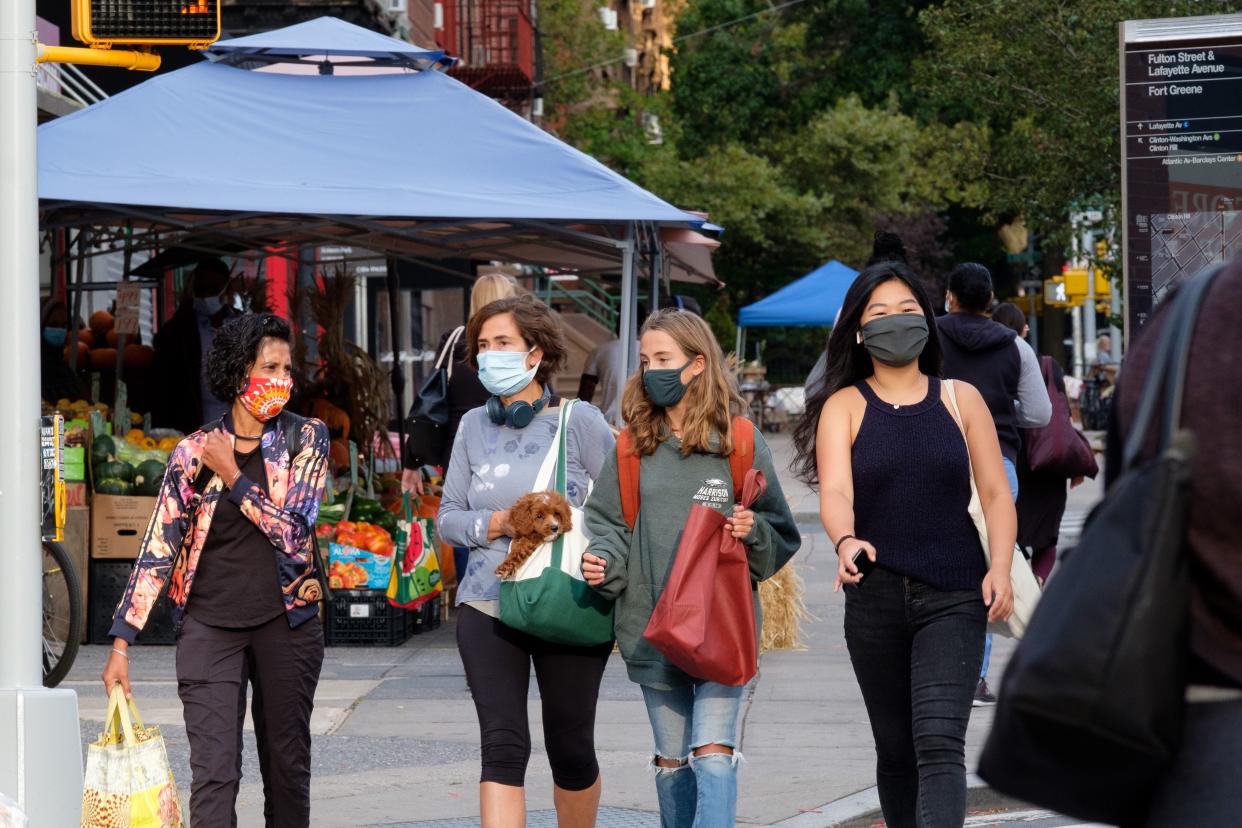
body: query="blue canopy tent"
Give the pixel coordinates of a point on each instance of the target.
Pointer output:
(811, 301)
(328, 134)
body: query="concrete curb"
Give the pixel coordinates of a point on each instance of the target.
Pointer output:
(862, 810)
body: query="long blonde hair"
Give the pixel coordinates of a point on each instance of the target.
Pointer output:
(712, 398)
(488, 288)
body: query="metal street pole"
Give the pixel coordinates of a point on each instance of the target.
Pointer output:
(40, 750)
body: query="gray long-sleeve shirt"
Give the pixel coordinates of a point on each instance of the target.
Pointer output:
(1033, 405)
(492, 466)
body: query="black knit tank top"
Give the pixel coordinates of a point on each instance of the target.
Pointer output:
(912, 491)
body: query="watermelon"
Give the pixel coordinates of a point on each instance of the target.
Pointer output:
(115, 470)
(148, 477)
(113, 486)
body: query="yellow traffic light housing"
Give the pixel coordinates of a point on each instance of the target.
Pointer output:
(104, 23)
(1076, 284)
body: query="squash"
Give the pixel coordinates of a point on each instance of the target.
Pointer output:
(87, 336)
(112, 486)
(115, 470)
(148, 477)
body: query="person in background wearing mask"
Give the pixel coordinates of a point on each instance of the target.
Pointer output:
(892, 449)
(233, 536)
(186, 400)
(57, 380)
(680, 411)
(1004, 369)
(518, 348)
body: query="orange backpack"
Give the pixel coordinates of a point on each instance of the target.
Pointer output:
(741, 459)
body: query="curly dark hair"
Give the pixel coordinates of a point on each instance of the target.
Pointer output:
(235, 348)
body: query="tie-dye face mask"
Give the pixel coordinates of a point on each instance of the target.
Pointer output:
(266, 397)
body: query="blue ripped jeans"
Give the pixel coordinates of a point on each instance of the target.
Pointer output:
(703, 792)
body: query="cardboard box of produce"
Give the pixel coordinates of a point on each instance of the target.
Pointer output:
(118, 523)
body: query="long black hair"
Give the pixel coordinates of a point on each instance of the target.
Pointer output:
(848, 362)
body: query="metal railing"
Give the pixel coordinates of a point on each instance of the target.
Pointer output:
(69, 82)
(590, 299)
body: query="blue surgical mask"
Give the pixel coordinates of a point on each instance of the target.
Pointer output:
(504, 373)
(55, 336)
(209, 305)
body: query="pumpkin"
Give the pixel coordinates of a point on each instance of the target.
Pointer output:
(338, 453)
(86, 336)
(139, 356)
(84, 354)
(103, 359)
(101, 322)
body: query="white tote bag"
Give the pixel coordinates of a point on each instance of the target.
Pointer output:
(1026, 589)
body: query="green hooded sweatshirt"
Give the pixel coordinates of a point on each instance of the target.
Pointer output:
(639, 562)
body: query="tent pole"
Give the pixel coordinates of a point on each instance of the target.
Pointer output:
(628, 295)
(657, 266)
(394, 339)
(40, 739)
(737, 348)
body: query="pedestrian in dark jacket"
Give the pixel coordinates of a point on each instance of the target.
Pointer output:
(1201, 787)
(1004, 369)
(185, 401)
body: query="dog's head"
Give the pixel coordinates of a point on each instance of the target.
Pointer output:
(542, 515)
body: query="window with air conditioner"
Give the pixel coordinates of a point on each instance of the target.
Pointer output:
(397, 6)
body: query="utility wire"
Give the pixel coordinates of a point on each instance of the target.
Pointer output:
(679, 39)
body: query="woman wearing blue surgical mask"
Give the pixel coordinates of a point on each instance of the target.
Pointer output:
(883, 440)
(518, 348)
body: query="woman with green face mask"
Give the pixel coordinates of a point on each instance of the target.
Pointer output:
(883, 440)
(680, 409)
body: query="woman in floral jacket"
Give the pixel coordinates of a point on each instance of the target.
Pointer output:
(233, 538)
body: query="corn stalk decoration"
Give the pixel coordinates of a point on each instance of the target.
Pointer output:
(344, 374)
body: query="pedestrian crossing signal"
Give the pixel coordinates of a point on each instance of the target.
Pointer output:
(103, 23)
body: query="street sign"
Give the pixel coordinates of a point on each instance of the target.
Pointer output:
(103, 23)
(1181, 106)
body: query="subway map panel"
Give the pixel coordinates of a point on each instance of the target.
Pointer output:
(1182, 244)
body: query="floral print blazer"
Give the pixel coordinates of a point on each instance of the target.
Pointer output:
(178, 529)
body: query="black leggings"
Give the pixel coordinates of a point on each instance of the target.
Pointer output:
(497, 659)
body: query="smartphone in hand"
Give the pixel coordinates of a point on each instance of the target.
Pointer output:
(863, 563)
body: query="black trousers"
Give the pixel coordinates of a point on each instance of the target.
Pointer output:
(916, 651)
(497, 659)
(282, 666)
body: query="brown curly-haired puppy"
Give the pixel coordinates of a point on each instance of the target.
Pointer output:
(536, 518)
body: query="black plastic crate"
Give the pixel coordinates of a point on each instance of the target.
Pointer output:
(108, 579)
(364, 618)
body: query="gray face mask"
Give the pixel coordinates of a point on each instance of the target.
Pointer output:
(896, 340)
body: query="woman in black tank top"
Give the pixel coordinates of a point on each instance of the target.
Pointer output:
(894, 476)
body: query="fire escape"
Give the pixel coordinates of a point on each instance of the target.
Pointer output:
(495, 41)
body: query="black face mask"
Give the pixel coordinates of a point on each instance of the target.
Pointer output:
(896, 340)
(664, 386)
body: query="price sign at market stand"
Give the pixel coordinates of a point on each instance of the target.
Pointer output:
(128, 300)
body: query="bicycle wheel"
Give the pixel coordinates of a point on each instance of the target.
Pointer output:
(63, 614)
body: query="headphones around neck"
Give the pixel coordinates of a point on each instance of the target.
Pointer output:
(518, 414)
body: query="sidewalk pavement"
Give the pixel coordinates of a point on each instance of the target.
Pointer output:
(397, 739)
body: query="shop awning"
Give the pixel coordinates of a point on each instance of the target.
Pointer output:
(813, 300)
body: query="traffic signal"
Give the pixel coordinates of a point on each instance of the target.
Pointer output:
(103, 23)
(1076, 284)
